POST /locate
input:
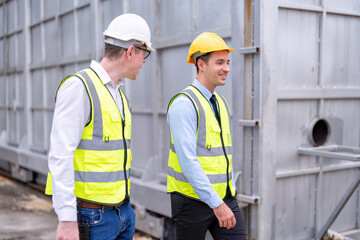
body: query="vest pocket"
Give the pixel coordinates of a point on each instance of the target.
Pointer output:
(114, 116)
(215, 128)
(100, 171)
(101, 157)
(106, 188)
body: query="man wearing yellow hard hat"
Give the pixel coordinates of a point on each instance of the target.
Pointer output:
(200, 173)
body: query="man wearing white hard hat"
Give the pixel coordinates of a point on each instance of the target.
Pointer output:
(89, 158)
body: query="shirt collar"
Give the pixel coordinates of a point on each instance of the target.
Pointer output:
(103, 75)
(207, 94)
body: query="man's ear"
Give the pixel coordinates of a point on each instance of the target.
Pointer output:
(129, 51)
(201, 64)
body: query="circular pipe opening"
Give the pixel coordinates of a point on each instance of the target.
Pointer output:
(319, 132)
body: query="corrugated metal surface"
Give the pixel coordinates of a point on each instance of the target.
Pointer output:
(298, 60)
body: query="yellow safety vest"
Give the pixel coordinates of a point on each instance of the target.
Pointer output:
(102, 158)
(213, 150)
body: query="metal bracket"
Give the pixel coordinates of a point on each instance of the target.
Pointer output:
(249, 123)
(254, 200)
(249, 50)
(332, 151)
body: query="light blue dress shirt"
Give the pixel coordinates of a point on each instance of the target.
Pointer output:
(182, 119)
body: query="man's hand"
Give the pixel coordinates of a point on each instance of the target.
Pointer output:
(67, 231)
(225, 216)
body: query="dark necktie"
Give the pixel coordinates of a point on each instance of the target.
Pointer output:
(213, 102)
(217, 115)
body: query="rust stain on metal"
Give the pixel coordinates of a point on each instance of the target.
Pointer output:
(248, 23)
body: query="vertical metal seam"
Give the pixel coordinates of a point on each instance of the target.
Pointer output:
(76, 33)
(157, 87)
(27, 74)
(319, 160)
(256, 111)
(43, 73)
(6, 53)
(16, 79)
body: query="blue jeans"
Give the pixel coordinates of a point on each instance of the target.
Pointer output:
(110, 223)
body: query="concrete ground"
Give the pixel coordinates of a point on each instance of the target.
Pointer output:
(25, 213)
(28, 214)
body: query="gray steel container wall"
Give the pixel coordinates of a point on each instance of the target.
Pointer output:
(314, 57)
(61, 43)
(315, 77)
(12, 103)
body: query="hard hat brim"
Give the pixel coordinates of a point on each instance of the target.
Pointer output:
(191, 60)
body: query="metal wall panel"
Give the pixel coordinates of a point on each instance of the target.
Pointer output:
(37, 106)
(141, 145)
(315, 53)
(334, 185)
(84, 32)
(341, 51)
(2, 54)
(68, 41)
(111, 9)
(36, 45)
(293, 220)
(298, 49)
(171, 15)
(11, 68)
(66, 5)
(2, 16)
(50, 8)
(347, 5)
(207, 8)
(50, 44)
(35, 11)
(297, 60)
(2, 104)
(343, 114)
(176, 73)
(292, 130)
(302, 2)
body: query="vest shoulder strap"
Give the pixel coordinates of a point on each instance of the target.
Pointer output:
(186, 93)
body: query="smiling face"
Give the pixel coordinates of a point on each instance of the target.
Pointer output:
(214, 72)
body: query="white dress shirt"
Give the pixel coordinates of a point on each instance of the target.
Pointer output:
(71, 114)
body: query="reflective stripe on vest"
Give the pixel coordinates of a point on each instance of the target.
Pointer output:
(97, 142)
(206, 152)
(209, 153)
(101, 176)
(213, 178)
(102, 158)
(202, 149)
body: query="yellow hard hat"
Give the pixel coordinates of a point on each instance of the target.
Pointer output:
(205, 43)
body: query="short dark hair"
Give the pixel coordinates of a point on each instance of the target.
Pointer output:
(112, 51)
(205, 57)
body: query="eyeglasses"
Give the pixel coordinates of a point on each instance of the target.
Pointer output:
(147, 52)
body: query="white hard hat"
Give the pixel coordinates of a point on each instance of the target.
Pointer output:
(127, 29)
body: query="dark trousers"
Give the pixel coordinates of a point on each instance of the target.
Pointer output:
(193, 218)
